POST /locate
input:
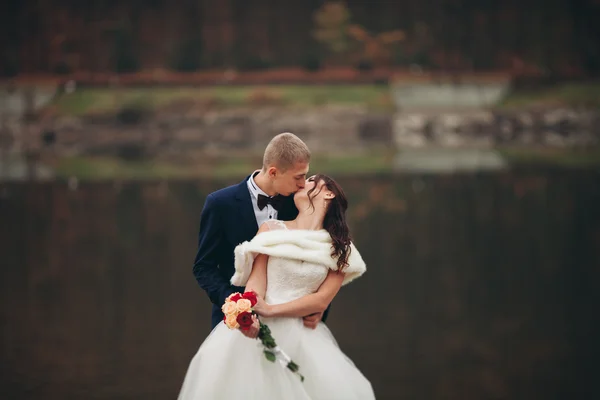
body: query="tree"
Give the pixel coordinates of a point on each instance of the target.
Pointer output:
(335, 30)
(332, 21)
(375, 48)
(125, 57)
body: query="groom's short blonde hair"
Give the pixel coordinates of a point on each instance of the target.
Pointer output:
(284, 151)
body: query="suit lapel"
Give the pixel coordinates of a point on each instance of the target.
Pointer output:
(246, 211)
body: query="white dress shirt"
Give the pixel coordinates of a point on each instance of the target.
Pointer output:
(267, 213)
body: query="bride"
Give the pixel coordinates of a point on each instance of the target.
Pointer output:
(296, 268)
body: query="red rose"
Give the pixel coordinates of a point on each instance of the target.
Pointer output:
(235, 297)
(250, 296)
(245, 320)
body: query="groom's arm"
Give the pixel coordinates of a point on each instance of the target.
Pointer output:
(312, 320)
(206, 264)
(312, 303)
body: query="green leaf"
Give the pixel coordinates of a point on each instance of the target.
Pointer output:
(269, 355)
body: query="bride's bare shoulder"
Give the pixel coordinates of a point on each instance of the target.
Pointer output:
(273, 225)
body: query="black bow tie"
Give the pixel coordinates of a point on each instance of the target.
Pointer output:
(275, 201)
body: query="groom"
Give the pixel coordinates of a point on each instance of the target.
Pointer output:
(233, 215)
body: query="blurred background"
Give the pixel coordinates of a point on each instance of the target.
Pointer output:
(466, 134)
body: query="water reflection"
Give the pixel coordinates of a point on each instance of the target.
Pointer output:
(479, 286)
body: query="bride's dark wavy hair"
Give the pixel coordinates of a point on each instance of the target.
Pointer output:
(335, 219)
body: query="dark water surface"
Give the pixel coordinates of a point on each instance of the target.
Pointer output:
(479, 286)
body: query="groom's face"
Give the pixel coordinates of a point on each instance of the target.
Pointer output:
(292, 180)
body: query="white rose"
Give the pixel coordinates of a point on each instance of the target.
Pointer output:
(244, 305)
(229, 308)
(231, 321)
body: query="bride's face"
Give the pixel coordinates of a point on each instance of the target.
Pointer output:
(318, 196)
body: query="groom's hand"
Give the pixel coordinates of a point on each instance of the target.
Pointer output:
(311, 321)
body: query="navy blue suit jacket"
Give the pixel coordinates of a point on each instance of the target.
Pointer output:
(227, 220)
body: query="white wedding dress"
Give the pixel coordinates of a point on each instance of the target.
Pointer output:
(230, 366)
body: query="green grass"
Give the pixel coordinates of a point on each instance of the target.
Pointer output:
(103, 100)
(94, 100)
(353, 164)
(568, 94)
(97, 168)
(374, 162)
(552, 156)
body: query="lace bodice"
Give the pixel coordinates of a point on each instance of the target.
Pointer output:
(290, 279)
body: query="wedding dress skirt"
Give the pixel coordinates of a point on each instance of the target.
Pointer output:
(231, 366)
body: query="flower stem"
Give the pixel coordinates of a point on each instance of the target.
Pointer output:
(271, 350)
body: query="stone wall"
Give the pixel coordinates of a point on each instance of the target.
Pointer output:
(179, 133)
(557, 127)
(174, 133)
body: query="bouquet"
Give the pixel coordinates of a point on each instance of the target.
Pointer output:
(239, 315)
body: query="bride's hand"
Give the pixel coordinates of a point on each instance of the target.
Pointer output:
(262, 308)
(252, 332)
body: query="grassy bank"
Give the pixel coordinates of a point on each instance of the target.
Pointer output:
(374, 162)
(222, 167)
(567, 94)
(87, 101)
(94, 100)
(565, 158)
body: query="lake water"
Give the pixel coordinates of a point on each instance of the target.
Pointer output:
(479, 286)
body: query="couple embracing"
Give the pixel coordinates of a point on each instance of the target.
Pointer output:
(281, 239)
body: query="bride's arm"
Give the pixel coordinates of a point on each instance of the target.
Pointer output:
(309, 304)
(257, 281)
